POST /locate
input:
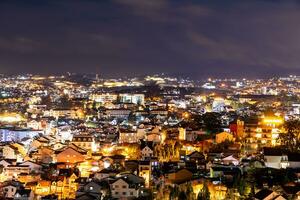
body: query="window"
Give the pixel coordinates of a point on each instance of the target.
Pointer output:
(91, 188)
(116, 193)
(124, 186)
(131, 193)
(116, 186)
(124, 193)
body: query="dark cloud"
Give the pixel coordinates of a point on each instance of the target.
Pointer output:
(129, 37)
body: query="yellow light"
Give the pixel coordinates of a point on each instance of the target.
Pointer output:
(11, 117)
(272, 121)
(95, 169)
(186, 115)
(258, 130)
(106, 164)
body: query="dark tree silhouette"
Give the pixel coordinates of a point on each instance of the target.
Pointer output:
(290, 137)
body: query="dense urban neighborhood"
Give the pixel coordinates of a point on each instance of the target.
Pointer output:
(153, 137)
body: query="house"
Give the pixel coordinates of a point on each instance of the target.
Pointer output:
(84, 196)
(154, 137)
(40, 141)
(128, 136)
(12, 171)
(9, 189)
(120, 159)
(43, 155)
(65, 185)
(141, 133)
(228, 173)
(159, 111)
(24, 194)
(50, 197)
(85, 142)
(123, 187)
(230, 160)
(275, 158)
(92, 188)
(70, 154)
(118, 113)
(197, 158)
(105, 173)
(191, 134)
(223, 136)
(43, 187)
(131, 165)
(57, 146)
(145, 171)
(34, 167)
(31, 177)
(178, 176)
(106, 162)
(11, 152)
(147, 150)
(6, 162)
(33, 124)
(266, 194)
(293, 160)
(57, 113)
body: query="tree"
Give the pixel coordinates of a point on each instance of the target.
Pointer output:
(241, 186)
(46, 100)
(290, 137)
(174, 192)
(251, 178)
(189, 191)
(204, 193)
(182, 196)
(212, 121)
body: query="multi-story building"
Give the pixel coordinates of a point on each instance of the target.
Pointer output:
(132, 98)
(123, 188)
(86, 142)
(128, 136)
(104, 98)
(118, 113)
(264, 132)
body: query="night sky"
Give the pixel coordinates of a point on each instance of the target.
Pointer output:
(219, 38)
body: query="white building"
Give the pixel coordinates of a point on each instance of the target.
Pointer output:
(122, 188)
(104, 98)
(132, 98)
